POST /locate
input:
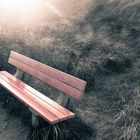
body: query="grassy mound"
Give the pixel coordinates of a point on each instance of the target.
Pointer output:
(99, 45)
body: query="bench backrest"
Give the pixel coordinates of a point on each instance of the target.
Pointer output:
(62, 81)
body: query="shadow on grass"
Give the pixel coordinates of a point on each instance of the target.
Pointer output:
(73, 129)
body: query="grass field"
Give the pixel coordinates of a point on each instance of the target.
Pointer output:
(95, 40)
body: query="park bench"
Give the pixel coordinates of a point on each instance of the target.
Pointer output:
(38, 103)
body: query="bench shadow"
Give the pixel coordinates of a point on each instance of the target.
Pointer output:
(73, 129)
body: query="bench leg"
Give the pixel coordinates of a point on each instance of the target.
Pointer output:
(71, 104)
(34, 118)
(62, 99)
(66, 101)
(35, 122)
(19, 74)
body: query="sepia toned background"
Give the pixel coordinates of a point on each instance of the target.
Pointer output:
(95, 40)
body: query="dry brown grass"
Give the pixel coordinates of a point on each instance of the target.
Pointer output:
(128, 119)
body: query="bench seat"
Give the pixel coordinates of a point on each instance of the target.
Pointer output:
(48, 109)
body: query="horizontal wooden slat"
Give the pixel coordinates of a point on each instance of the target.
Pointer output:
(46, 115)
(45, 105)
(54, 107)
(40, 95)
(49, 80)
(29, 102)
(57, 74)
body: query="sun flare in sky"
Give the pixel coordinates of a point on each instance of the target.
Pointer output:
(19, 5)
(18, 9)
(27, 10)
(22, 10)
(14, 3)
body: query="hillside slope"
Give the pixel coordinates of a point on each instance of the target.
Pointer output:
(98, 42)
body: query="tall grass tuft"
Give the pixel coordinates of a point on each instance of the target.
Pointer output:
(126, 122)
(74, 129)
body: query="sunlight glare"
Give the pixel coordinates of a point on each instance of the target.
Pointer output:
(14, 4)
(22, 10)
(28, 11)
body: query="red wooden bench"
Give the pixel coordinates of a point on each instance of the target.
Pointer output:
(40, 105)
